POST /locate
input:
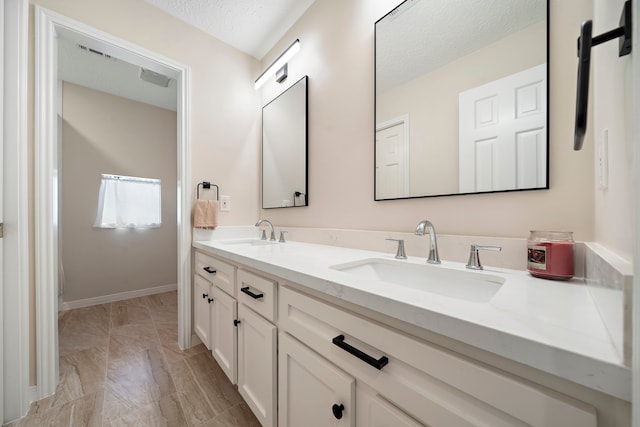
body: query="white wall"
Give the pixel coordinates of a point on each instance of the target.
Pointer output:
(612, 110)
(103, 133)
(337, 53)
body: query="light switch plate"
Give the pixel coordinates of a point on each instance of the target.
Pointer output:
(225, 203)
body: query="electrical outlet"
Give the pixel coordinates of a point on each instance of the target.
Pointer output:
(225, 203)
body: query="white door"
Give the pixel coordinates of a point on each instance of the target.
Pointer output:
(503, 133)
(391, 160)
(257, 364)
(202, 301)
(312, 391)
(224, 336)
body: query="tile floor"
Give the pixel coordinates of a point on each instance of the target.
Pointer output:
(120, 365)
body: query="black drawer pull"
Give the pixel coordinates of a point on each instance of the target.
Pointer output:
(337, 410)
(236, 322)
(376, 363)
(210, 270)
(210, 300)
(251, 294)
(204, 295)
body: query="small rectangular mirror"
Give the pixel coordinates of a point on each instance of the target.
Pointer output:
(284, 149)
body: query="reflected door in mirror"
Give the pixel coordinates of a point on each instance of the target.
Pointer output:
(503, 133)
(392, 165)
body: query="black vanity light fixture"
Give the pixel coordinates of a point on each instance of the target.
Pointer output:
(279, 66)
(585, 43)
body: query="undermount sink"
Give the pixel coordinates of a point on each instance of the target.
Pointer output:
(464, 285)
(251, 242)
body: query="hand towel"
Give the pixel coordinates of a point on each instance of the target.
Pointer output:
(205, 214)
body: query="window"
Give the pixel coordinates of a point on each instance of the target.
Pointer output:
(128, 202)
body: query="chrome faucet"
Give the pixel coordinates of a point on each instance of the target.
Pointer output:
(433, 258)
(273, 233)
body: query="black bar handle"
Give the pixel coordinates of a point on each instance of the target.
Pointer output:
(236, 322)
(251, 294)
(210, 270)
(204, 295)
(376, 363)
(210, 300)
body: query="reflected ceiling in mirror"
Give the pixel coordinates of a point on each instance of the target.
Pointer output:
(461, 98)
(284, 149)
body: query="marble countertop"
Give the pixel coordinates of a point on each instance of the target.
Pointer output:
(553, 326)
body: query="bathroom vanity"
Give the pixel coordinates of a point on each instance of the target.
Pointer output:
(315, 335)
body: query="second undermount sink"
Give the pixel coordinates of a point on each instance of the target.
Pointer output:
(250, 242)
(464, 285)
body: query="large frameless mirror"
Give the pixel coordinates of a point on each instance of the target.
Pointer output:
(284, 149)
(461, 98)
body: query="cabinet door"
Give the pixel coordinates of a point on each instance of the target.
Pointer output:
(224, 336)
(201, 301)
(375, 411)
(257, 368)
(312, 391)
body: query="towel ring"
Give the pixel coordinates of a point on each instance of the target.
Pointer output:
(207, 185)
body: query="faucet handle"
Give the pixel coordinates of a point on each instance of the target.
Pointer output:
(400, 253)
(264, 235)
(282, 232)
(474, 259)
(273, 236)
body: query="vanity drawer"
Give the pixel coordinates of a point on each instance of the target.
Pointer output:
(217, 272)
(257, 293)
(433, 385)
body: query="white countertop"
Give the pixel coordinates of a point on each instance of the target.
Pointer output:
(553, 326)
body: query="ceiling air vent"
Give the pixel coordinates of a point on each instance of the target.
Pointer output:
(153, 77)
(96, 52)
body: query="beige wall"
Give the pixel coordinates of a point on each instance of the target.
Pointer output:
(611, 99)
(431, 101)
(224, 103)
(103, 133)
(337, 53)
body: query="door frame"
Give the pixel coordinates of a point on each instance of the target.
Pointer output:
(14, 336)
(48, 25)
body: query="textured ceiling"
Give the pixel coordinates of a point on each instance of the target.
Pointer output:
(422, 35)
(252, 26)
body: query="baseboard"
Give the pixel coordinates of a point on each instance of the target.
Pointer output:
(195, 340)
(68, 305)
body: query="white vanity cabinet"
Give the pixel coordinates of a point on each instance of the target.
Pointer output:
(373, 410)
(312, 391)
(405, 379)
(302, 358)
(257, 345)
(202, 299)
(224, 337)
(215, 310)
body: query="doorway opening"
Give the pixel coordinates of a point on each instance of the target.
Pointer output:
(50, 29)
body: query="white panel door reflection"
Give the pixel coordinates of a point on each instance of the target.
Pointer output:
(392, 152)
(502, 133)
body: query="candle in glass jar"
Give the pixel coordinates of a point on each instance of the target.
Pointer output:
(550, 254)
